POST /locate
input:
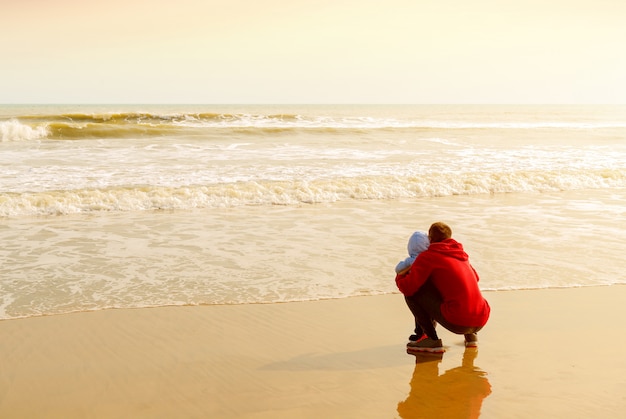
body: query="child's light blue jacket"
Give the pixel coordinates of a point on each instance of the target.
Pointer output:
(418, 242)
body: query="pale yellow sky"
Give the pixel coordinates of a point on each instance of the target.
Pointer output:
(339, 51)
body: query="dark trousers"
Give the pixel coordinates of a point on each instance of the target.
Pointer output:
(425, 305)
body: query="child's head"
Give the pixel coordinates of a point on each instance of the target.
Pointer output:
(418, 242)
(439, 232)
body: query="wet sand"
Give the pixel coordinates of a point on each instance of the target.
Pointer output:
(547, 353)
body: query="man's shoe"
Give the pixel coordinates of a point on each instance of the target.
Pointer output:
(426, 345)
(416, 338)
(471, 340)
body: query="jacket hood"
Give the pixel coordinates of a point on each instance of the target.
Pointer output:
(451, 248)
(418, 242)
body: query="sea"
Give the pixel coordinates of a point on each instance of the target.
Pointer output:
(130, 206)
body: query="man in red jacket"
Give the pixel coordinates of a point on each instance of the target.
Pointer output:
(442, 287)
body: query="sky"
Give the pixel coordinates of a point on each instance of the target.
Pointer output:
(308, 52)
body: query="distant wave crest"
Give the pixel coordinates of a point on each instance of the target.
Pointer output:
(14, 130)
(71, 126)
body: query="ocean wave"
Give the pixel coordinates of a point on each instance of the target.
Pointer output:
(69, 126)
(267, 193)
(14, 130)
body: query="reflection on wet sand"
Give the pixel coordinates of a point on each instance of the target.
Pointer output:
(457, 393)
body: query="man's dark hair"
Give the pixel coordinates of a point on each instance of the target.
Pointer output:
(439, 232)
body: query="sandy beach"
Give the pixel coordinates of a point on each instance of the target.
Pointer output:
(551, 353)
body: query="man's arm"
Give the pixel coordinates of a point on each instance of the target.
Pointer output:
(410, 282)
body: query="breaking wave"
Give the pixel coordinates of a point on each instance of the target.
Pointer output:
(71, 126)
(266, 193)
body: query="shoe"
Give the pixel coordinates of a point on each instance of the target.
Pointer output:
(471, 340)
(415, 338)
(426, 345)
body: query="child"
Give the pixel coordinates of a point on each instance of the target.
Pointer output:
(418, 242)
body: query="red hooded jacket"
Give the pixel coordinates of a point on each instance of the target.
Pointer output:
(447, 265)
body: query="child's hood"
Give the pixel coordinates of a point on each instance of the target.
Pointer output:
(418, 242)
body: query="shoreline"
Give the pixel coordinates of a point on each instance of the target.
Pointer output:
(544, 353)
(200, 305)
(190, 305)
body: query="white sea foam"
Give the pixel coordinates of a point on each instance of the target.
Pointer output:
(14, 130)
(278, 254)
(163, 121)
(353, 186)
(168, 206)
